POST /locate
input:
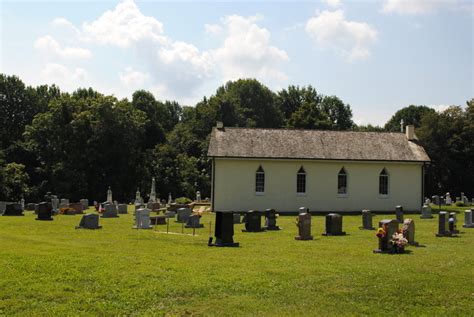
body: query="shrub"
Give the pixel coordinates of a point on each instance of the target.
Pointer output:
(183, 200)
(459, 204)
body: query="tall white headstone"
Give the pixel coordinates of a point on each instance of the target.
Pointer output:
(448, 199)
(138, 198)
(109, 195)
(152, 192)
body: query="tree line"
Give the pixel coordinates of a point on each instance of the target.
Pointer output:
(78, 144)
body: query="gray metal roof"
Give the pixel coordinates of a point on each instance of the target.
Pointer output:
(314, 144)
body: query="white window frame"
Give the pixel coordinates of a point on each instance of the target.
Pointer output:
(346, 193)
(260, 171)
(302, 172)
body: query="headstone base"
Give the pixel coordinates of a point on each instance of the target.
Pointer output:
(468, 226)
(378, 251)
(272, 228)
(135, 227)
(334, 234)
(104, 215)
(259, 230)
(222, 244)
(158, 220)
(304, 238)
(44, 219)
(79, 227)
(447, 234)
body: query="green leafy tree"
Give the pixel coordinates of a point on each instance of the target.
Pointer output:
(15, 182)
(411, 115)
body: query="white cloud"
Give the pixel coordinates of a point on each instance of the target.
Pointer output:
(214, 29)
(64, 23)
(416, 7)
(439, 108)
(123, 26)
(132, 78)
(333, 3)
(330, 29)
(65, 78)
(247, 52)
(49, 45)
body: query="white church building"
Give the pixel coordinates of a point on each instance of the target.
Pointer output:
(326, 171)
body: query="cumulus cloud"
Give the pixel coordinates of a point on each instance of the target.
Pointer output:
(416, 7)
(247, 52)
(65, 24)
(63, 76)
(49, 45)
(132, 78)
(214, 29)
(333, 3)
(330, 29)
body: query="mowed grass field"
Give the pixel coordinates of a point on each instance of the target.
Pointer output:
(50, 268)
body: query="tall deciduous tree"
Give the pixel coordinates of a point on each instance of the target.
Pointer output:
(410, 115)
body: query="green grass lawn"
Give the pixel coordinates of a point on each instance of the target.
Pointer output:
(49, 268)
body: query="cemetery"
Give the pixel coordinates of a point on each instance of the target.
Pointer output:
(209, 263)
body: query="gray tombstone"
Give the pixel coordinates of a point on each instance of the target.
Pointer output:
(390, 226)
(453, 222)
(408, 230)
(45, 211)
(142, 219)
(85, 203)
(122, 209)
(55, 204)
(110, 211)
(303, 222)
(443, 226)
(448, 199)
(29, 207)
(89, 221)
(399, 213)
(303, 210)
(3, 205)
(170, 214)
(367, 220)
(78, 208)
(183, 215)
(333, 225)
(436, 200)
(270, 220)
(193, 221)
(426, 212)
(13, 209)
(465, 200)
(64, 203)
(468, 219)
(236, 218)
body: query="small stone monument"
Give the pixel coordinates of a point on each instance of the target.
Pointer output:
(303, 210)
(45, 211)
(468, 219)
(29, 207)
(170, 199)
(408, 231)
(85, 203)
(367, 220)
(389, 227)
(253, 221)
(448, 199)
(334, 225)
(64, 203)
(109, 196)
(303, 222)
(399, 213)
(452, 223)
(122, 209)
(89, 221)
(22, 203)
(78, 208)
(193, 221)
(158, 220)
(152, 191)
(183, 215)
(270, 220)
(155, 206)
(170, 214)
(3, 205)
(13, 209)
(198, 196)
(236, 218)
(138, 198)
(443, 226)
(436, 200)
(55, 204)
(224, 230)
(110, 211)
(426, 212)
(142, 219)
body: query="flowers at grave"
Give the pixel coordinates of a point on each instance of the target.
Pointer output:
(380, 233)
(399, 242)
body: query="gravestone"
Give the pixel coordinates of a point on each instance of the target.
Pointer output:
(64, 203)
(109, 195)
(138, 198)
(303, 210)
(236, 218)
(389, 226)
(198, 196)
(303, 222)
(270, 220)
(253, 221)
(427, 201)
(436, 200)
(468, 219)
(399, 213)
(426, 212)
(45, 211)
(224, 230)
(55, 204)
(13, 209)
(465, 200)
(448, 199)
(367, 220)
(443, 226)
(36, 209)
(408, 231)
(122, 209)
(158, 220)
(3, 205)
(453, 222)
(183, 215)
(154, 206)
(142, 219)
(22, 203)
(152, 198)
(193, 222)
(89, 221)
(170, 214)
(78, 209)
(458, 199)
(29, 207)
(110, 211)
(85, 203)
(333, 225)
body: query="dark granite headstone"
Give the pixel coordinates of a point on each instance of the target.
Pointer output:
(158, 220)
(224, 230)
(89, 221)
(468, 219)
(367, 220)
(443, 225)
(333, 225)
(183, 214)
(270, 220)
(399, 213)
(390, 226)
(45, 211)
(253, 221)
(236, 218)
(30, 207)
(193, 221)
(110, 211)
(303, 222)
(78, 208)
(13, 209)
(122, 209)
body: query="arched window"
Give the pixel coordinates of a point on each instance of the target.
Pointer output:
(301, 181)
(383, 182)
(260, 180)
(342, 182)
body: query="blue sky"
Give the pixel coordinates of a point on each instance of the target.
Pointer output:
(377, 56)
